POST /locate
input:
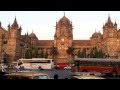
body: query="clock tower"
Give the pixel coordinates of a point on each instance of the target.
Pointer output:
(63, 39)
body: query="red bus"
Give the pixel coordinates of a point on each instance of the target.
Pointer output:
(104, 66)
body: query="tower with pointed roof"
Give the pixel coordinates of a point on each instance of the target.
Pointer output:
(109, 29)
(63, 39)
(110, 37)
(14, 36)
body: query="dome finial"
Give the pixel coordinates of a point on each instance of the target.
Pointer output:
(27, 33)
(95, 29)
(32, 30)
(64, 13)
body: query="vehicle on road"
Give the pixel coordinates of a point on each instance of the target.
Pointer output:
(36, 63)
(67, 67)
(104, 66)
(61, 66)
(87, 77)
(26, 75)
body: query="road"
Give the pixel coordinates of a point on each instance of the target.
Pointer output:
(61, 73)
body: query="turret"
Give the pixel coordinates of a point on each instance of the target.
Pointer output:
(109, 23)
(20, 28)
(15, 24)
(9, 26)
(115, 25)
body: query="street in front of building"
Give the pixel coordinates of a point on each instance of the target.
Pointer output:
(62, 74)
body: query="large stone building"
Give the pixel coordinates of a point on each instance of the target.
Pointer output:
(13, 45)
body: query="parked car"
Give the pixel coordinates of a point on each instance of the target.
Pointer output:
(26, 75)
(67, 67)
(2, 68)
(61, 66)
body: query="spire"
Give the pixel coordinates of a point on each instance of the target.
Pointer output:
(95, 30)
(9, 26)
(64, 14)
(99, 31)
(27, 33)
(103, 25)
(15, 24)
(32, 31)
(20, 28)
(115, 23)
(109, 22)
(56, 22)
(71, 22)
(109, 19)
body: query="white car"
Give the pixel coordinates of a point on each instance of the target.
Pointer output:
(67, 67)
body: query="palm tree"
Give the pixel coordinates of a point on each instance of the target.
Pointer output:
(70, 50)
(84, 52)
(53, 51)
(46, 55)
(42, 54)
(36, 53)
(79, 54)
(28, 54)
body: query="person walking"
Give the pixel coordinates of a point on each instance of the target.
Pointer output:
(56, 76)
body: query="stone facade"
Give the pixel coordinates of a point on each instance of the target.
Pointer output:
(13, 45)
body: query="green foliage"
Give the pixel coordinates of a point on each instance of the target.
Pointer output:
(53, 51)
(36, 53)
(28, 54)
(46, 54)
(70, 50)
(82, 54)
(79, 54)
(42, 54)
(95, 53)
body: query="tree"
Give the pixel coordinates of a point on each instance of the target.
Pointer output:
(28, 54)
(70, 50)
(84, 52)
(92, 53)
(42, 54)
(95, 53)
(36, 53)
(46, 54)
(53, 51)
(79, 54)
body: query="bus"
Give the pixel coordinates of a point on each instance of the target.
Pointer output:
(103, 66)
(36, 63)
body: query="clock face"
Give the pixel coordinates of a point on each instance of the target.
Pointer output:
(62, 39)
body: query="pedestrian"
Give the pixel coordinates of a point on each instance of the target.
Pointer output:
(66, 78)
(56, 76)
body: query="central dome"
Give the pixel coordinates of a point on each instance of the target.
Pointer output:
(96, 35)
(32, 35)
(64, 20)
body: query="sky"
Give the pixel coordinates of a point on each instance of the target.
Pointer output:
(42, 23)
